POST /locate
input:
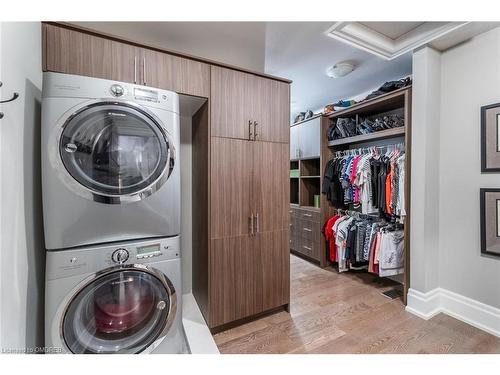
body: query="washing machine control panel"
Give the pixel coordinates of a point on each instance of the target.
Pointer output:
(120, 256)
(149, 251)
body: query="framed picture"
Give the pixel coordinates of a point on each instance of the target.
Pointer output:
(490, 138)
(490, 221)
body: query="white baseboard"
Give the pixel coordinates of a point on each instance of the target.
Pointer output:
(439, 300)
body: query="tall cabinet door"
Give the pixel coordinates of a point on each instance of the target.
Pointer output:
(73, 52)
(231, 107)
(275, 268)
(169, 72)
(271, 191)
(271, 103)
(235, 279)
(230, 187)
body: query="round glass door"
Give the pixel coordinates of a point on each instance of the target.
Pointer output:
(123, 311)
(114, 149)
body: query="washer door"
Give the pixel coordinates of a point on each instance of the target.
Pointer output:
(116, 151)
(122, 310)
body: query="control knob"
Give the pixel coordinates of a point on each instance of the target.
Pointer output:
(120, 256)
(117, 90)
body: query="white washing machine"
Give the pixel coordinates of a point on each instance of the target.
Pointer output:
(121, 298)
(110, 166)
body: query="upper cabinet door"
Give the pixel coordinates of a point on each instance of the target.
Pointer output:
(294, 142)
(73, 52)
(231, 106)
(230, 187)
(271, 191)
(271, 102)
(310, 138)
(169, 72)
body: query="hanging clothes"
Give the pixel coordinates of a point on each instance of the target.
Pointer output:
(356, 241)
(367, 180)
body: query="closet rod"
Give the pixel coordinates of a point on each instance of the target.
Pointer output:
(399, 146)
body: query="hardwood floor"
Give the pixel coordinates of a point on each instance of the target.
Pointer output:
(346, 313)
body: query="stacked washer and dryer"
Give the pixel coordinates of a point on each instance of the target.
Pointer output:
(111, 202)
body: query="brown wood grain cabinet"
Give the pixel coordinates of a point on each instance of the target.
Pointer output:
(275, 268)
(231, 115)
(272, 112)
(174, 73)
(73, 52)
(230, 191)
(271, 193)
(235, 279)
(249, 257)
(246, 106)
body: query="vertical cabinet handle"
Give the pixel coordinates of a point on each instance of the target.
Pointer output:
(135, 69)
(255, 123)
(257, 223)
(144, 70)
(251, 220)
(249, 130)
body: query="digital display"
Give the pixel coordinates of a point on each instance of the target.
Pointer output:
(148, 249)
(143, 94)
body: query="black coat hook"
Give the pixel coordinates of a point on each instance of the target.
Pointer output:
(14, 97)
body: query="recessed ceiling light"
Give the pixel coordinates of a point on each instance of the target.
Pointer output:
(340, 70)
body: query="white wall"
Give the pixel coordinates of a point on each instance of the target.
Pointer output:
(22, 243)
(448, 272)
(470, 78)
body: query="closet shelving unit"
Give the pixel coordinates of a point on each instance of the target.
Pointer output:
(307, 184)
(398, 101)
(305, 150)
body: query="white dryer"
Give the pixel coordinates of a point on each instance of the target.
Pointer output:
(110, 166)
(122, 298)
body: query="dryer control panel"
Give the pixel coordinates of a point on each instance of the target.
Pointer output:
(67, 263)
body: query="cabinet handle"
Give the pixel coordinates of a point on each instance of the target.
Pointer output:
(257, 223)
(135, 69)
(307, 229)
(307, 247)
(251, 225)
(144, 70)
(249, 130)
(255, 123)
(307, 215)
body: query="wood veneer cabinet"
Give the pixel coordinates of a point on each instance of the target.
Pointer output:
(175, 73)
(249, 259)
(74, 52)
(246, 106)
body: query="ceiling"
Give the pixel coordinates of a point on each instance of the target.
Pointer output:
(300, 51)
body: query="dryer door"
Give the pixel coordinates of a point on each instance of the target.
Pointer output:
(115, 151)
(122, 310)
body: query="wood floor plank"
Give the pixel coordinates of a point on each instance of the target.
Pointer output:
(347, 313)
